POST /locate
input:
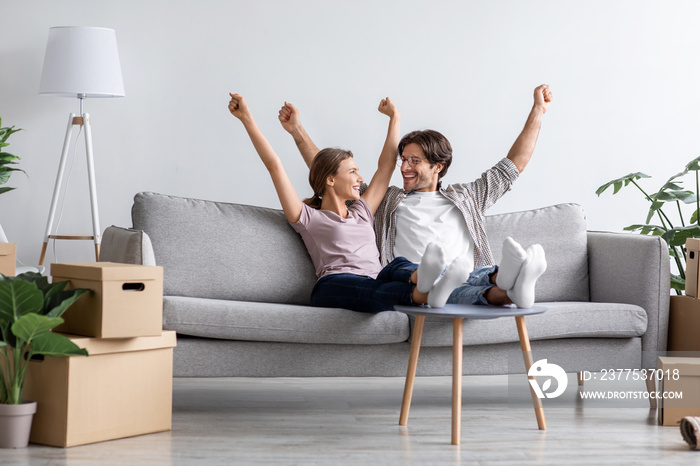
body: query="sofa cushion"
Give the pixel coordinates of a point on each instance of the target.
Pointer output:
(238, 320)
(126, 246)
(227, 251)
(561, 320)
(561, 230)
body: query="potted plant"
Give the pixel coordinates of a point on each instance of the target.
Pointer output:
(672, 228)
(29, 308)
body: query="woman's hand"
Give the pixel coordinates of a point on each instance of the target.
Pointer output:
(387, 107)
(289, 117)
(238, 106)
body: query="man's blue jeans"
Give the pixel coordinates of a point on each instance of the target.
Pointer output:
(473, 291)
(364, 294)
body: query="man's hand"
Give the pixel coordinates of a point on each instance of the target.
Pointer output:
(543, 96)
(387, 107)
(238, 106)
(289, 117)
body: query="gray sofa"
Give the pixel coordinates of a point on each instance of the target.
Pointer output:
(238, 280)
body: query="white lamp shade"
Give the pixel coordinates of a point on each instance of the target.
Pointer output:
(82, 61)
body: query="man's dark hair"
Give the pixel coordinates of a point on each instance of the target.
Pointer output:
(436, 147)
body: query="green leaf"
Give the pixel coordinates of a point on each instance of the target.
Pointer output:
(59, 303)
(645, 229)
(18, 298)
(618, 183)
(671, 186)
(30, 326)
(677, 282)
(672, 196)
(694, 217)
(677, 236)
(7, 157)
(693, 165)
(655, 205)
(55, 344)
(7, 132)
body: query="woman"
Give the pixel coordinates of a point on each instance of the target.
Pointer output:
(341, 240)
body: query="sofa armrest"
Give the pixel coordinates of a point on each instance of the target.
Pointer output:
(633, 269)
(126, 246)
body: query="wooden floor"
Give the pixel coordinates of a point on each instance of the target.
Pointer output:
(355, 421)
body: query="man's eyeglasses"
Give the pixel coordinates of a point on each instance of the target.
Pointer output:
(412, 161)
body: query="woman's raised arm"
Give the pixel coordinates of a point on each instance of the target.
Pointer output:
(291, 203)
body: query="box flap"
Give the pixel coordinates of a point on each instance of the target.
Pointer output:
(685, 366)
(692, 243)
(107, 271)
(96, 346)
(7, 248)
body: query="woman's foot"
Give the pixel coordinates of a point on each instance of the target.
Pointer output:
(456, 274)
(430, 268)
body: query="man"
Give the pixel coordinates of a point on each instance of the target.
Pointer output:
(424, 211)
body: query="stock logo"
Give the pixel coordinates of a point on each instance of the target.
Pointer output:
(552, 371)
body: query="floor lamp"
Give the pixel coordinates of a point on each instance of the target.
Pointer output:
(80, 62)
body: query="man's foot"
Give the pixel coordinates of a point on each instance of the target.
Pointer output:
(431, 266)
(523, 293)
(456, 274)
(513, 257)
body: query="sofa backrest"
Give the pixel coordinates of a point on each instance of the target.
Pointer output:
(240, 252)
(221, 250)
(561, 230)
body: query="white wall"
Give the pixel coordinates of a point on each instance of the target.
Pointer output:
(624, 74)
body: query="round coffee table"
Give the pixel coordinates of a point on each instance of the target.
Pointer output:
(459, 312)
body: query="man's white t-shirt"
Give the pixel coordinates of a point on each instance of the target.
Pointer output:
(423, 217)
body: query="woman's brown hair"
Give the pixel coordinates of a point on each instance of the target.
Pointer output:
(325, 164)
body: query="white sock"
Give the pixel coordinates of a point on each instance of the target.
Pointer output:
(513, 257)
(456, 274)
(523, 293)
(431, 266)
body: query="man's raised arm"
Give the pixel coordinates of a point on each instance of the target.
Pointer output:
(291, 122)
(524, 145)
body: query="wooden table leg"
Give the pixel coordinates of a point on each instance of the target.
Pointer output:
(457, 380)
(411, 372)
(527, 356)
(651, 388)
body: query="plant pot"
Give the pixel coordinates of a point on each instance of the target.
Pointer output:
(16, 424)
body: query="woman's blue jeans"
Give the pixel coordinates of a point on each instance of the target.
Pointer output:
(364, 294)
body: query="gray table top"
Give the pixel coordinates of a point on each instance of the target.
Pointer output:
(470, 311)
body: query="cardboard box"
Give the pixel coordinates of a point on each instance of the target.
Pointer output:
(123, 388)
(692, 260)
(684, 324)
(680, 375)
(126, 299)
(8, 258)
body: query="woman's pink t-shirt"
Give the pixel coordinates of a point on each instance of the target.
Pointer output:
(340, 245)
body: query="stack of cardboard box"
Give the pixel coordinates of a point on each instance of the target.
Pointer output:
(679, 373)
(684, 314)
(8, 258)
(679, 382)
(124, 386)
